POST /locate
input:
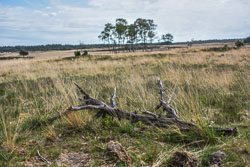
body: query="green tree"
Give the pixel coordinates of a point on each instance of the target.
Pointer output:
(109, 35)
(121, 27)
(145, 27)
(132, 34)
(151, 36)
(168, 38)
(106, 34)
(23, 52)
(143, 30)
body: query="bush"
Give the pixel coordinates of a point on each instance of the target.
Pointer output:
(239, 43)
(85, 53)
(77, 53)
(247, 40)
(226, 47)
(23, 52)
(217, 49)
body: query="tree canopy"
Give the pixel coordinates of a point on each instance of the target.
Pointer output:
(168, 38)
(142, 31)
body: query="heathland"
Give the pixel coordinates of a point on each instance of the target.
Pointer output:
(207, 84)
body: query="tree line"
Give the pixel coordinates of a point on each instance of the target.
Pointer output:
(131, 36)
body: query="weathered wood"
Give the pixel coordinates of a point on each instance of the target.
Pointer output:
(170, 112)
(171, 119)
(112, 100)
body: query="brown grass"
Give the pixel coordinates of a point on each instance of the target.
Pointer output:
(43, 86)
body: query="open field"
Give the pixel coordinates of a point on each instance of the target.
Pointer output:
(207, 85)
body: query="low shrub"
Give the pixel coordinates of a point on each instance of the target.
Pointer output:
(217, 49)
(239, 43)
(77, 53)
(85, 53)
(23, 52)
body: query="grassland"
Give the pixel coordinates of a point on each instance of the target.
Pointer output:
(208, 86)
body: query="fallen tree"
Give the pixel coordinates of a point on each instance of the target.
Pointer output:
(169, 119)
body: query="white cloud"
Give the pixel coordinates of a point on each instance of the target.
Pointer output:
(185, 19)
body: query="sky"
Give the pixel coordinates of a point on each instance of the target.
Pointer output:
(36, 22)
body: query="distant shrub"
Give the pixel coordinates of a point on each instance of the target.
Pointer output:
(217, 49)
(77, 53)
(23, 52)
(225, 47)
(239, 43)
(85, 53)
(247, 40)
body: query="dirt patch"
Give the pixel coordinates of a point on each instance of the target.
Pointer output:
(217, 158)
(119, 151)
(73, 159)
(184, 159)
(35, 161)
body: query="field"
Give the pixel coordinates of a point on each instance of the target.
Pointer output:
(207, 85)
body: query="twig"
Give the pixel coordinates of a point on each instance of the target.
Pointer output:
(42, 158)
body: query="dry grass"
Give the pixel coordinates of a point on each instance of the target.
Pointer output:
(204, 85)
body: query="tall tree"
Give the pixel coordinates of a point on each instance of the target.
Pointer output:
(132, 34)
(121, 29)
(108, 34)
(145, 28)
(143, 31)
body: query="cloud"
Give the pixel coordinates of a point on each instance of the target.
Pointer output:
(70, 21)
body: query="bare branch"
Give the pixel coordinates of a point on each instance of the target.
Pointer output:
(162, 92)
(82, 91)
(149, 113)
(88, 99)
(171, 113)
(42, 158)
(112, 100)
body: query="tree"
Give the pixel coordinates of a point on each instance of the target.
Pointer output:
(108, 34)
(23, 52)
(190, 43)
(239, 43)
(121, 27)
(143, 30)
(132, 33)
(145, 27)
(151, 36)
(168, 38)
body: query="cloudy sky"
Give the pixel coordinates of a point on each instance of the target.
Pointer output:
(33, 22)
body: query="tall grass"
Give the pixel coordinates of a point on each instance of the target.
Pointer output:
(205, 86)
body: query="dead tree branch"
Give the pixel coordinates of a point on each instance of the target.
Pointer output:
(171, 119)
(170, 112)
